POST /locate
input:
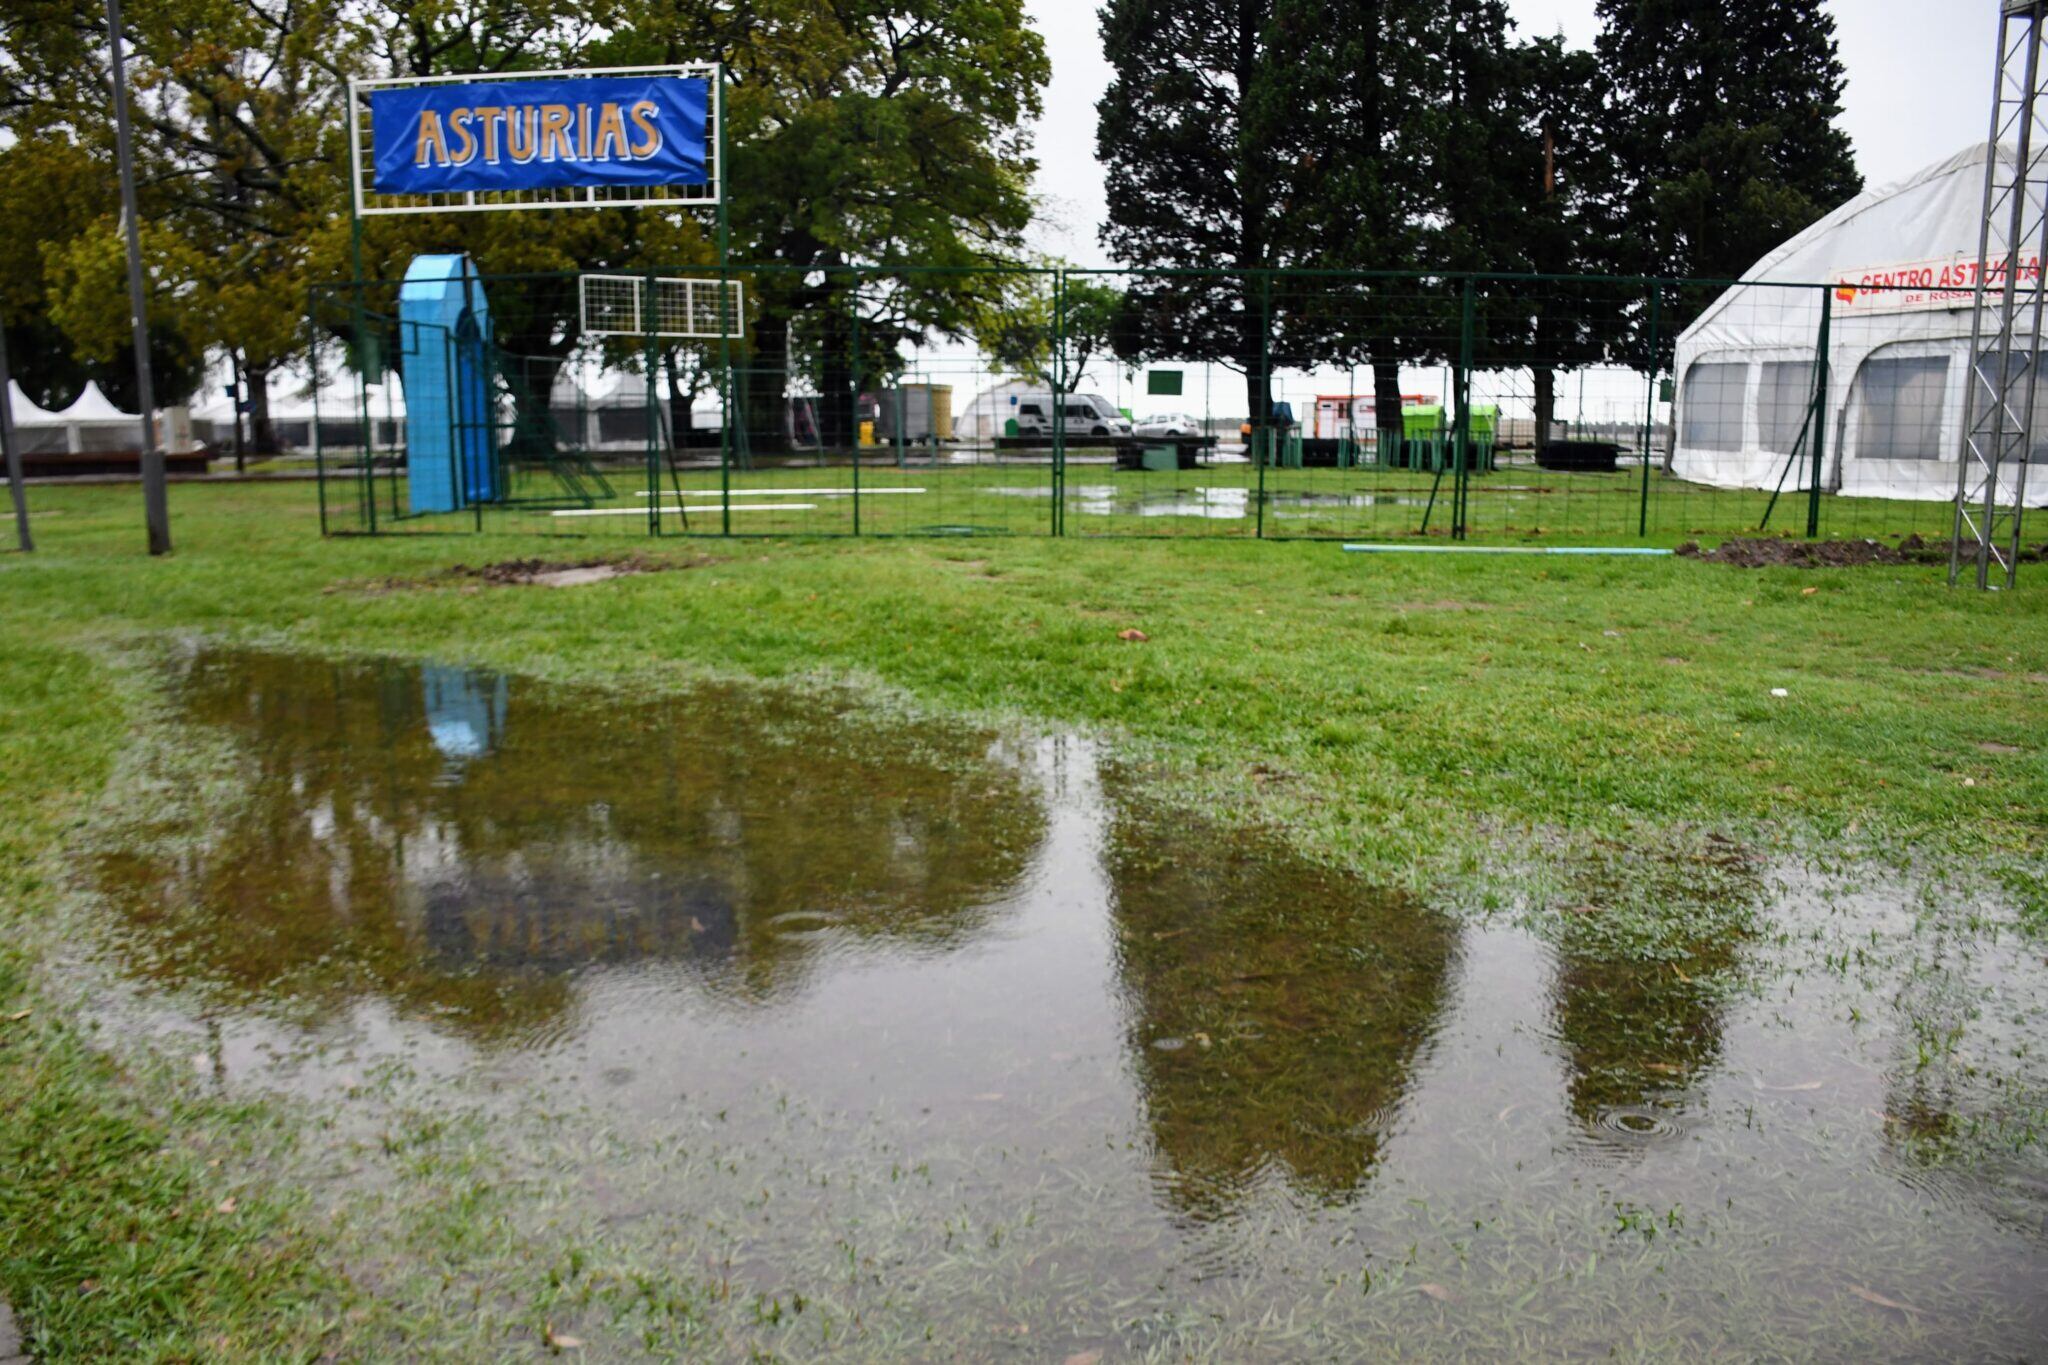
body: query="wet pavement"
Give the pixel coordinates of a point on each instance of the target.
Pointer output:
(956, 1039)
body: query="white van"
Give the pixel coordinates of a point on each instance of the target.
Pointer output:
(1086, 414)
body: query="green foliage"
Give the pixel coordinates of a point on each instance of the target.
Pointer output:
(864, 133)
(1724, 126)
(1015, 328)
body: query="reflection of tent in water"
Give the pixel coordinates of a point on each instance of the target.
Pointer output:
(465, 710)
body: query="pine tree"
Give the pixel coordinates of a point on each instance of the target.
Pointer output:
(1202, 138)
(1724, 126)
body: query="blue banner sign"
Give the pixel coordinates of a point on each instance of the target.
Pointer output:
(571, 132)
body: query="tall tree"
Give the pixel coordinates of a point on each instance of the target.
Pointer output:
(878, 132)
(1550, 189)
(1200, 146)
(1724, 125)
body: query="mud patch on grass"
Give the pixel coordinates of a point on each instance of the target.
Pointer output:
(1759, 552)
(566, 573)
(529, 573)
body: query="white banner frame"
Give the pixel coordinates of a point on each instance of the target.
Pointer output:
(371, 203)
(670, 304)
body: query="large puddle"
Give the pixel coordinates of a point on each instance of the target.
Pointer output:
(935, 1044)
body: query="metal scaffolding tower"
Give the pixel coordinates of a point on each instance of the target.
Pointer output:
(2005, 335)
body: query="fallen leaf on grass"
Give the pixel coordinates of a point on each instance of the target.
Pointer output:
(1136, 637)
(1438, 1292)
(559, 1342)
(226, 1205)
(18, 1016)
(1872, 1296)
(1083, 1358)
(1808, 592)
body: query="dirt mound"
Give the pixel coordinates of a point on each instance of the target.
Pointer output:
(1758, 552)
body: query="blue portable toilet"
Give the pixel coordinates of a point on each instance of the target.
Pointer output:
(444, 328)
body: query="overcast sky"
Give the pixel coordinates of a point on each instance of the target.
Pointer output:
(1917, 92)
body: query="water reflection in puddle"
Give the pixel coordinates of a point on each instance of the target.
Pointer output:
(965, 1016)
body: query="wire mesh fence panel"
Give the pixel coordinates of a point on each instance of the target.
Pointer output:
(1283, 404)
(1360, 398)
(1152, 410)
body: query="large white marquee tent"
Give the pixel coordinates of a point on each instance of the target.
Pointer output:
(1897, 355)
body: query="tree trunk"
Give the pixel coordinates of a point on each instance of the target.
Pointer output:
(240, 397)
(1386, 403)
(837, 398)
(262, 432)
(1546, 403)
(760, 379)
(530, 380)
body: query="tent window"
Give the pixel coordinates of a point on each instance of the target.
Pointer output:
(1787, 393)
(1713, 406)
(1899, 408)
(1987, 371)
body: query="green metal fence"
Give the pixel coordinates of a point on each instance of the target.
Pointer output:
(1263, 404)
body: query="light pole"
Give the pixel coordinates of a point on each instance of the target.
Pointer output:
(155, 510)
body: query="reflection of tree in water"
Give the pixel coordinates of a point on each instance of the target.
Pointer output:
(1638, 1025)
(457, 846)
(1313, 993)
(1966, 1090)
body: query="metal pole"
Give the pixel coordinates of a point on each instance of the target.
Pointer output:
(1650, 410)
(724, 216)
(1059, 402)
(1820, 412)
(1263, 436)
(853, 307)
(155, 506)
(725, 397)
(356, 327)
(1461, 438)
(12, 449)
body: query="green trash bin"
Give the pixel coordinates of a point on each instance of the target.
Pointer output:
(1483, 422)
(1422, 430)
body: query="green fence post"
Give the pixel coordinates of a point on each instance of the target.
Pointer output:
(356, 328)
(1059, 403)
(1262, 423)
(725, 403)
(1650, 408)
(1820, 411)
(853, 307)
(1461, 438)
(650, 320)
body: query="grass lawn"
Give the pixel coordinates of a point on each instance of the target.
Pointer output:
(1464, 727)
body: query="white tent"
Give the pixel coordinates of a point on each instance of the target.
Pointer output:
(40, 431)
(92, 423)
(1901, 261)
(983, 419)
